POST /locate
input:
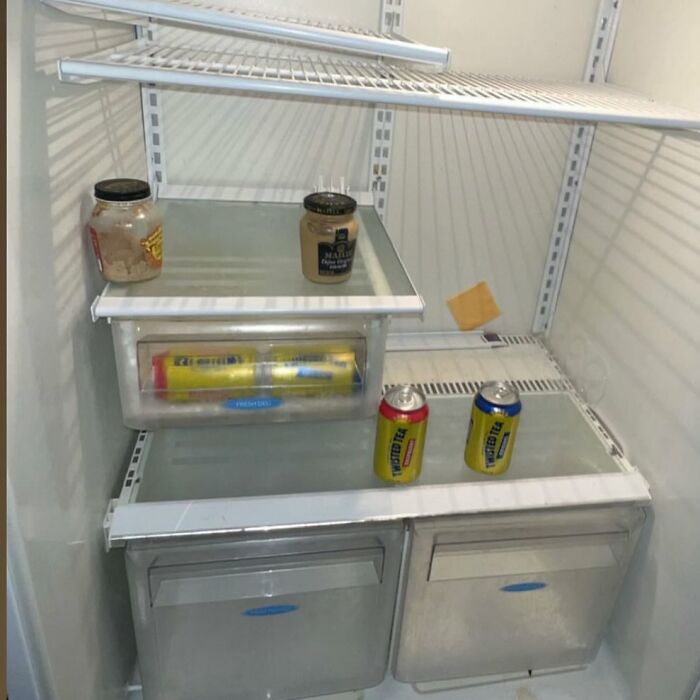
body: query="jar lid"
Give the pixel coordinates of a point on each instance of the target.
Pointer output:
(122, 189)
(330, 203)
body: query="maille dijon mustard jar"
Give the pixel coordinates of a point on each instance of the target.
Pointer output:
(126, 230)
(328, 234)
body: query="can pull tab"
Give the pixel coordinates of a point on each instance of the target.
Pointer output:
(405, 395)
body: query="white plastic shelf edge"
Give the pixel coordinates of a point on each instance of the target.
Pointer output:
(208, 16)
(221, 307)
(176, 519)
(248, 194)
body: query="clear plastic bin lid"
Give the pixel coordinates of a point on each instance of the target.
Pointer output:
(248, 371)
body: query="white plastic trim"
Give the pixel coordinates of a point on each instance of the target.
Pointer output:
(176, 519)
(247, 194)
(219, 307)
(428, 340)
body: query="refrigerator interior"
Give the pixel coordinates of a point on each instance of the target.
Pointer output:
(625, 329)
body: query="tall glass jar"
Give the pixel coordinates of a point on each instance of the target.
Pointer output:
(328, 233)
(126, 230)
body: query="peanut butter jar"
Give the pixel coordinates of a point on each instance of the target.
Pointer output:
(328, 235)
(126, 231)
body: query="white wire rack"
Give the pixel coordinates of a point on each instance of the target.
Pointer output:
(209, 16)
(268, 70)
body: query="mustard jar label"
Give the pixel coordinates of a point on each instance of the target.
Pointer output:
(336, 258)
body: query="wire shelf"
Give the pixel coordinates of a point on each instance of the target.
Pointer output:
(271, 70)
(206, 15)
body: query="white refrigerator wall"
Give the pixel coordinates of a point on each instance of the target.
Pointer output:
(471, 197)
(66, 442)
(628, 330)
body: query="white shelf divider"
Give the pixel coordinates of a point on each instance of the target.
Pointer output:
(204, 15)
(272, 70)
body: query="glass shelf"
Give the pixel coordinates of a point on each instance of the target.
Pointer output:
(243, 259)
(184, 482)
(260, 460)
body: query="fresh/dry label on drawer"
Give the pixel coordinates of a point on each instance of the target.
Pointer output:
(254, 403)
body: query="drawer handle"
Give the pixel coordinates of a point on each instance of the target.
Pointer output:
(226, 582)
(534, 557)
(268, 610)
(525, 586)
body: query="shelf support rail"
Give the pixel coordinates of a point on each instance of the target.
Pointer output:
(131, 484)
(152, 112)
(580, 145)
(390, 21)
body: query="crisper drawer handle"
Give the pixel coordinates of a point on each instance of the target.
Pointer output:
(468, 561)
(216, 586)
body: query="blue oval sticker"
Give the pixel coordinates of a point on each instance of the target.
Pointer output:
(267, 610)
(254, 403)
(522, 587)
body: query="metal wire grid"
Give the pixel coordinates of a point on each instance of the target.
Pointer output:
(469, 388)
(325, 75)
(218, 9)
(205, 15)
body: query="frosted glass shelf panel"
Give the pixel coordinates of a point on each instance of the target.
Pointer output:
(291, 74)
(195, 482)
(242, 259)
(554, 439)
(206, 15)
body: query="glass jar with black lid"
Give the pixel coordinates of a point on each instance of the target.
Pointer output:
(126, 230)
(328, 234)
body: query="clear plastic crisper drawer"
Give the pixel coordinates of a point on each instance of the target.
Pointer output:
(183, 372)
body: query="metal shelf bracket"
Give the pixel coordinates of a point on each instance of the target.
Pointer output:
(391, 22)
(580, 145)
(153, 129)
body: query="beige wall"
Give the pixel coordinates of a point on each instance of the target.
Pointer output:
(471, 196)
(628, 329)
(66, 441)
